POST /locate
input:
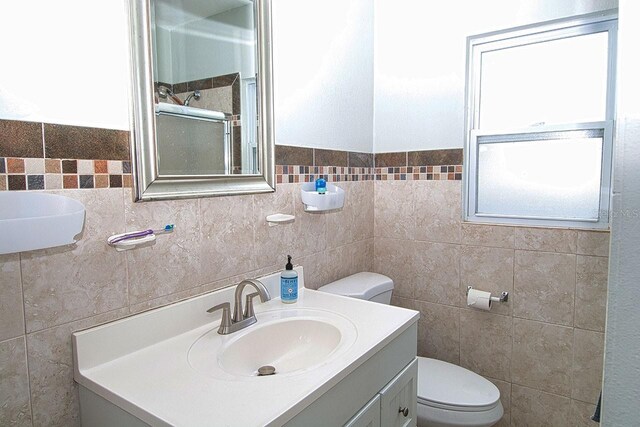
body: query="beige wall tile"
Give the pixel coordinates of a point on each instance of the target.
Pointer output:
(349, 259)
(587, 365)
(76, 281)
(438, 331)
(542, 356)
(394, 210)
(488, 269)
(593, 243)
(352, 223)
(11, 306)
(236, 279)
(488, 235)
(315, 270)
(533, 408)
(546, 239)
(227, 246)
(436, 271)
(217, 99)
(15, 406)
(485, 343)
(362, 193)
(272, 244)
(310, 228)
(403, 302)
(162, 301)
(172, 263)
(54, 394)
(544, 285)
(581, 414)
(505, 399)
(393, 258)
(591, 292)
(437, 209)
(340, 223)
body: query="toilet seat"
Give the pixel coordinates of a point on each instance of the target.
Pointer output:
(446, 386)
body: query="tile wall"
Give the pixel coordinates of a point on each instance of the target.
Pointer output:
(45, 295)
(543, 348)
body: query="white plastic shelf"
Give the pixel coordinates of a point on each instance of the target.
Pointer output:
(315, 202)
(30, 220)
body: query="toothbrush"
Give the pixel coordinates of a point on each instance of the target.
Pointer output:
(126, 236)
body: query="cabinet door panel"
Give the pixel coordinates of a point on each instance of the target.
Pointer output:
(398, 399)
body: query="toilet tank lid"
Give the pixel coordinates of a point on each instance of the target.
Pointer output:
(454, 386)
(363, 285)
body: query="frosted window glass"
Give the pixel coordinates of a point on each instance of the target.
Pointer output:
(559, 81)
(553, 178)
(188, 146)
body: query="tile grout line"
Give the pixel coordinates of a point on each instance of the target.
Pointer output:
(126, 257)
(44, 144)
(26, 347)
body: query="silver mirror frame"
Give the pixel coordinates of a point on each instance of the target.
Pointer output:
(147, 182)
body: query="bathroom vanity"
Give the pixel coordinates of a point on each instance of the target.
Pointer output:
(338, 361)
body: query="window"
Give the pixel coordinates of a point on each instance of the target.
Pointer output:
(540, 109)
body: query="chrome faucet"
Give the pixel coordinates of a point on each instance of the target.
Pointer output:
(241, 318)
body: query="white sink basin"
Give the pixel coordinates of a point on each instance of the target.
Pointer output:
(293, 341)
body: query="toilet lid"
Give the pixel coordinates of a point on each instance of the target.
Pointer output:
(449, 385)
(363, 285)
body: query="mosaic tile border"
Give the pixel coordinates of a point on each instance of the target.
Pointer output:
(292, 174)
(296, 173)
(420, 173)
(17, 174)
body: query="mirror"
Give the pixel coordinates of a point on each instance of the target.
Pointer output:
(202, 98)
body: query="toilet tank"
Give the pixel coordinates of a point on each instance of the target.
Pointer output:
(368, 286)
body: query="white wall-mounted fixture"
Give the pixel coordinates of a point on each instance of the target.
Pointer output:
(279, 219)
(316, 202)
(125, 245)
(30, 220)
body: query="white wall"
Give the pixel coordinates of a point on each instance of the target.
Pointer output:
(65, 61)
(323, 68)
(622, 349)
(420, 56)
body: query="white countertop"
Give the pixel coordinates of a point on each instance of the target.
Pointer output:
(141, 363)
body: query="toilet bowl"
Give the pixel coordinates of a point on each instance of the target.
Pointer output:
(448, 395)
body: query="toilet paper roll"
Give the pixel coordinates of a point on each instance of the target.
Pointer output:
(479, 299)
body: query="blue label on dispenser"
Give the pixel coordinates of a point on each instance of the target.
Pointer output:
(289, 288)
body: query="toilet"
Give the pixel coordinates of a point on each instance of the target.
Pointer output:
(448, 395)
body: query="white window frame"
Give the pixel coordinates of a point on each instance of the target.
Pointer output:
(476, 46)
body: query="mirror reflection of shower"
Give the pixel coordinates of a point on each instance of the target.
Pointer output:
(165, 93)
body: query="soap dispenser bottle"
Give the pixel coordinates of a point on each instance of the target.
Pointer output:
(289, 283)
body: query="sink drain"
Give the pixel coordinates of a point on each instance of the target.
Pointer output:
(264, 371)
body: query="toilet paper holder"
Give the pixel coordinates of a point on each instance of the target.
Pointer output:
(504, 296)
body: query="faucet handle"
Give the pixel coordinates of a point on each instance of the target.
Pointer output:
(225, 323)
(248, 305)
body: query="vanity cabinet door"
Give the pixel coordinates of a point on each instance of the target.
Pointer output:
(398, 399)
(368, 416)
